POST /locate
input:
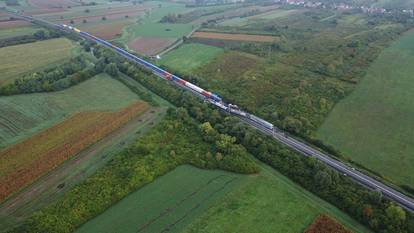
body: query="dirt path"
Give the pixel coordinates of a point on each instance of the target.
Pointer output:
(54, 184)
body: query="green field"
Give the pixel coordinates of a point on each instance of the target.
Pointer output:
(168, 203)
(149, 25)
(189, 57)
(24, 115)
(20, 59)
(18, 31)
(194, 200)
(151, 29)
(374, 125)
(268, 202)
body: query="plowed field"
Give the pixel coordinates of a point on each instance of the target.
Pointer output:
(108, 30)
(150, 45)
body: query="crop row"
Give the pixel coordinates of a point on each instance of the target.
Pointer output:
(26, 161)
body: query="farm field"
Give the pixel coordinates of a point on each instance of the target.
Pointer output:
(373, 126)
(90, 18)
(52, 3)
(189, 57)
(61, 179)
(36, 56)
(18, 31)
(88, 12)
(268, 202)
(149, 26)
(160, 30)
(150, 45)
(25, 115)
(238, 21)
(46, 150)
(106, 30)
(235, 37)
(170, 202)
(14, 24)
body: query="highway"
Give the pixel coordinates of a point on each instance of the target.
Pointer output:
(365, 180)
(306, 150)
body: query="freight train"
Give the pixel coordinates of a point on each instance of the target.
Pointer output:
(212, 98)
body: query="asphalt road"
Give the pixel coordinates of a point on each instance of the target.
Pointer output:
(365, 180)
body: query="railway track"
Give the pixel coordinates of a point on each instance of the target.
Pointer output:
(260, 124)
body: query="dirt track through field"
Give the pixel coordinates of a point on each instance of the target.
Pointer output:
(46, 189)
(235, 37)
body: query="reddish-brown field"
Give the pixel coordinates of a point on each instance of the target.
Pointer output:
(325, 224)
(150, 45)
(23, 163)
(13, 24)
(107, 31)
(235, 37)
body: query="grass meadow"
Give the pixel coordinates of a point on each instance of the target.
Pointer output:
(189, 199)
(189, 57)
(35, 56)
(374, 125)
(149, 26)
(268, 202)
(17, 31)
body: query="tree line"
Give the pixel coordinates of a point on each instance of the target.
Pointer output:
(54, 79)
(41, 34)
(76, 70)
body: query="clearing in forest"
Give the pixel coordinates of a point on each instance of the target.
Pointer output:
(235, 37)
(43, 152)
(373, 125)
(19, 59)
